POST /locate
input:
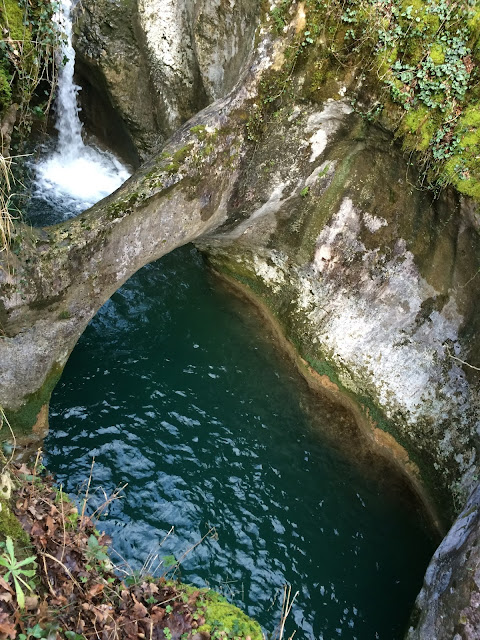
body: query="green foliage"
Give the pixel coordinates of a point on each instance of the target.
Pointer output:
(169, 561)
(419, 62)
(95, 552)
(200, 131)
(279, 14)
(34, 632)
(16, 569)
(49, 630)
(27, 57)
(5, 89)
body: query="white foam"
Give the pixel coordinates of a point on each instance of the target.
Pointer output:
(79, 182)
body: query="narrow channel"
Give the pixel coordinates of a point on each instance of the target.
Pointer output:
(178, 389)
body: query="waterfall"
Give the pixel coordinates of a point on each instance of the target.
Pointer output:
(68, 123)
(74, 175)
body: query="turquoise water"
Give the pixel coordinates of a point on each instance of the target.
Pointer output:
(177, 389)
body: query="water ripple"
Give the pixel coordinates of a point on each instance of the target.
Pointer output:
(176, 390)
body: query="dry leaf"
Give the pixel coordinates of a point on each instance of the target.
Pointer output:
(95, 590)
(31, 602)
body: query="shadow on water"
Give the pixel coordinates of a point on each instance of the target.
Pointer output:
(177, 389)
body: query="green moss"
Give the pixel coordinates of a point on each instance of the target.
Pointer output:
(470, 117)
(177, 159)
(419, 126)
(222, 619)
(5, 89)
(11, 23)
(437, 53)
(11, 17)
(200, 131)
(323, 368)
(420, 62)
(469, 187)
(182, 154)
(22, 420)
(280, 14)
(10, 526)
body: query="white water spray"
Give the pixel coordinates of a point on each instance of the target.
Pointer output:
(75, 175)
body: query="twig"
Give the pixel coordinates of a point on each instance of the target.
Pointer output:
(467, 364)
(48, 579)
(115, 496)
(63, 523)
(69, 573)
(3, 418)
(287, 604)
(86, 493)
(177, 564)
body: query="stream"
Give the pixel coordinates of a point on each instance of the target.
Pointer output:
(179, 389)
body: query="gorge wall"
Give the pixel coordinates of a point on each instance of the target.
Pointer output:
(152, 65)
(318, 212)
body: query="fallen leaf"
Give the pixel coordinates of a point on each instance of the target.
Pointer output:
(7, 628)
(157, 614)
(95, 590)
(50, 526)
(5, 585)
(139, 610)
(31, 602)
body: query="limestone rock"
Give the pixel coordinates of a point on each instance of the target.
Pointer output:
(118, 102)
(373, 280)
(328, 229)
(448, 606)
(148, 65)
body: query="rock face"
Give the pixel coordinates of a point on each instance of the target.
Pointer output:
(117, 98)
(370, 278)
(448, 605)
(373, 280)
(153, 64)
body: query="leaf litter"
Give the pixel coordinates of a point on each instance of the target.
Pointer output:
(76, 592)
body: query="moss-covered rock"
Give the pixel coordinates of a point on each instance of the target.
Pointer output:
(222, 619)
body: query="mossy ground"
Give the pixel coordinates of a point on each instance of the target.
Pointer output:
(222, 619)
